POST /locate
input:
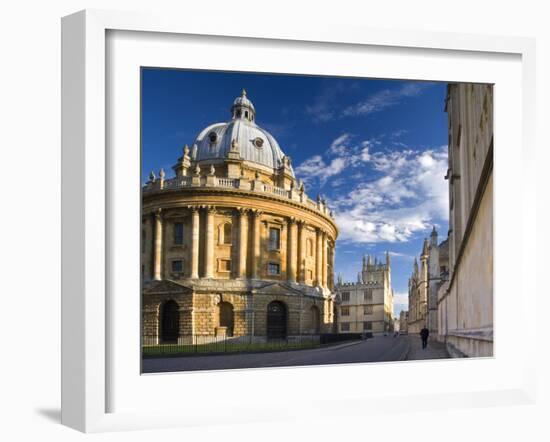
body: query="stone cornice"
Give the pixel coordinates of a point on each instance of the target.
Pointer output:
(223, 191)
(203, 196)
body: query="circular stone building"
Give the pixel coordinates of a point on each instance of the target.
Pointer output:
(232, 246)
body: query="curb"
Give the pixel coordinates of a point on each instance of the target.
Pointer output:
(330, 346)
(337, 346)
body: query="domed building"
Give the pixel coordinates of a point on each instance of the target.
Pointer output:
(232, 246)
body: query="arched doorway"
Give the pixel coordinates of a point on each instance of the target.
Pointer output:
(315, 319)
(170, 322)
(276, 320)
(226, 317)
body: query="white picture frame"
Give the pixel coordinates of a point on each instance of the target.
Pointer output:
(88, 317)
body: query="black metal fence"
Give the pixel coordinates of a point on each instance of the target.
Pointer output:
(205, 344)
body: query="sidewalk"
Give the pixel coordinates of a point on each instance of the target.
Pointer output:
(434, 350)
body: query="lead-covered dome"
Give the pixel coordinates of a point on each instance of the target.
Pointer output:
(254, 143)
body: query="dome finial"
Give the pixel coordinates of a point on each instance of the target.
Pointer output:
(244, 92)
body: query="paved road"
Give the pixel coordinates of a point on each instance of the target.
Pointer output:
(378, 349)
(434, 350)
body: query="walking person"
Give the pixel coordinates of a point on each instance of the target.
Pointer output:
(424, 333)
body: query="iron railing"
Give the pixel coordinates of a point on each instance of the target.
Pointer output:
(206, 344)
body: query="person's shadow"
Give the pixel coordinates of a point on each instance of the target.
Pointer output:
(51, 414)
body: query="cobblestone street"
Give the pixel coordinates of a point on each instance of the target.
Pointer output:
(434, 350)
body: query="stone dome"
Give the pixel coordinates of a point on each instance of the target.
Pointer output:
(254, 143)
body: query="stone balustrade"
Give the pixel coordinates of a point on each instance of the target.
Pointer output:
(159, 184)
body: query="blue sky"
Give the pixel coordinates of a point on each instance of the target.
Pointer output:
(376, 149)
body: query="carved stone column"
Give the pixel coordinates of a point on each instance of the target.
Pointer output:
(302, 252)
(256, 245)
(243, 241)
(292, 249)
(209, 243)
(157, 252)
(319, 259)
(325, 259)
(331, 262)
(195, 234)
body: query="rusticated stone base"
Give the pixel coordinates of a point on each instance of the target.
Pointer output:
(238, 309)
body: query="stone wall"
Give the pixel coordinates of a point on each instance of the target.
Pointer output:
(466, 310)
(200, 314)
(465, 306)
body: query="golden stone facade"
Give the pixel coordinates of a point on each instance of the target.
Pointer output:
(232, 246)
(367, 305)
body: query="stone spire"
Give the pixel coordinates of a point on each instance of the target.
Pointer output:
(433, 237)
(388, 263)
(425, 247)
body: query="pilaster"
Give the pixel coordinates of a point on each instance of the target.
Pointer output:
(195, 235)
(209, 243)
(319, 258)
(157, 257)
(243, 237)
(292, 249)
(256, 245)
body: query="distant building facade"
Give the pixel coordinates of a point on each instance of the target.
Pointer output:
(424, 284)
(403, 318)
(465, 301)
(366, 305)
(418, 293)
(396, 325)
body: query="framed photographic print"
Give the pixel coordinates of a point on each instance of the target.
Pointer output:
(260, 222)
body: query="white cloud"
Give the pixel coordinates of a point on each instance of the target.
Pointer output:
(365, 150)
(323, 107)
(404, 200)
(320, 111)
(340, 145)
(315, 167)
(382, 100)
(407, 193)
(343, 153)
(401, 299)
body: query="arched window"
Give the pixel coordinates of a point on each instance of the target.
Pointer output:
(276, 320)
(169, 321)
